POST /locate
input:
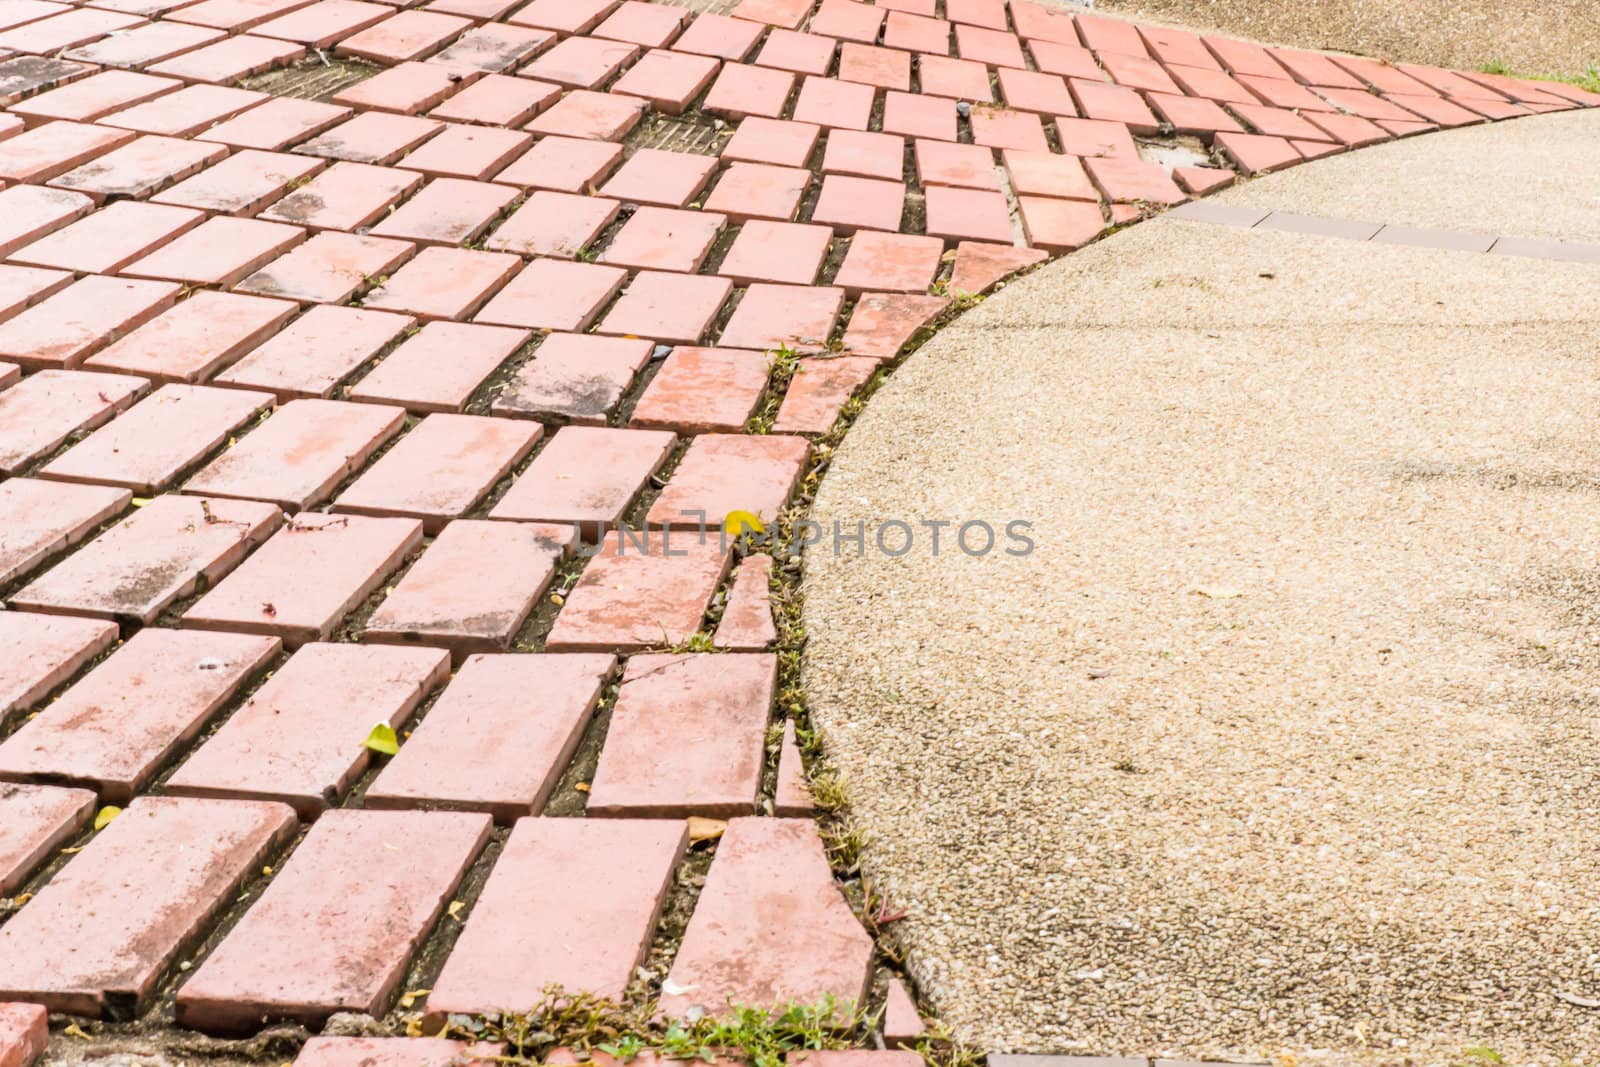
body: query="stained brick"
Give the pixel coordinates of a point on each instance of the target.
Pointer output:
(231, 59)
(554, 224)
(788, 14)
(1311, 68)
(116, 728)
(1279, 122)
(242, 184)
(723, 473)
(43, 152)
(687, 737)
(308, 577)
(818, 392)
(108, 239)
(1350, 130)
(1283, 93)
(330, 268)
(1095, 137)
(137, 568)
(587, 476)
(38, 414)
(220, 251)
(770, 318)
(1130, 180)
(440, 367)
(956, 79)
(771, 926)
(1245, 57)
(64, 329)
(1256, 154)
(195, 339)
(37, 820)
(883, 323)
(300, 454)
(344, 197)
(444, 283)
(917, 33)
(768, 251)
(699, 390)
(170, 865)
(564, 164)
(376, 137)
(43, 652)
(277, 124)
(299, 737)
(584, 937)
(746, 624)
(1211, 84)
(919, 116)
(316, 352)
(653, 176)
(576, 378)
(658, 238)
(499, 737)
(641, 590)
(100, 94)
(23, 76)
(141, 167)
(38, 519)
(450, 599)
(673, 308)
(440, 469)
(495, 47)
(447, 211)
(335, 931)
(849, 20)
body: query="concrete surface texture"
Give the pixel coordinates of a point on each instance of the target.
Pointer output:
(1281, 739)
(1529, 36)
(1538, 177)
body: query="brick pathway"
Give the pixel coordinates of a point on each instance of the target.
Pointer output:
(313, 400)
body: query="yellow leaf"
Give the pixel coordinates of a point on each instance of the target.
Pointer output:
(139, 501)
(382, 739)
(454, 910)
(1218, 592)
(411, 996)
(103, 818)
(582, 787)
(703, 829)
(74, 1030)
(739, 522)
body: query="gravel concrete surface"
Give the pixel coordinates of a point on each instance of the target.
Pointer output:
(1534, 177)
(1532, 37)
(1284, 737)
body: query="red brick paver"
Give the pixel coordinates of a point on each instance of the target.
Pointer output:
(585, 937)
(737, 950)
(37, 819)
(299, 737)
(335, 931)
(486, 746)
(170, 864)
